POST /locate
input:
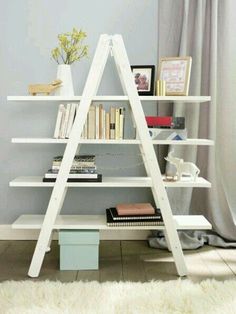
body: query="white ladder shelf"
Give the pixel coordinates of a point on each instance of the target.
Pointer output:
(52, 220)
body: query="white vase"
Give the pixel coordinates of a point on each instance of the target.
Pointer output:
(64, 74)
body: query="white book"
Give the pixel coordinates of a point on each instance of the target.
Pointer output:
(97, 122)
(62, 122)
(65, 123)
(58, 121)
(71, 119)
(73, 175)
(91, 122)
(117, 124)
(103, 123)
(107, 125)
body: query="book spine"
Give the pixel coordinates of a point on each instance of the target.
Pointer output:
(122, 116)
(101, 125)
(61, 132)
(137, 217)
(58, 121)
(112, 122)
(117, 124)
(97, 122)
(107, 126)
(73, 176)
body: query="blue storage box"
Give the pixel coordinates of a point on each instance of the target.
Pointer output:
(79, 249)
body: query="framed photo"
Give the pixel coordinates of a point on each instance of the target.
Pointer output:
(144, 78)
(176, 73)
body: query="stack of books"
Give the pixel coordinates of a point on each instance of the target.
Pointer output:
(98, 125)
(166, 128)
(83, 169)
(138, 214)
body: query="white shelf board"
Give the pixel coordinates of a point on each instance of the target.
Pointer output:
(106, 182)
(186, 99)
(110, 182)
(99, 222)
(185, 182)
(190, 141)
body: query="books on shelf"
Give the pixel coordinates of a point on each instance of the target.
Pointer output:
(141, 221)
(83, 169)
(100, 124)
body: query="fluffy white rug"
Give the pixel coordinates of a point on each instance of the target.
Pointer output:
(180, 296)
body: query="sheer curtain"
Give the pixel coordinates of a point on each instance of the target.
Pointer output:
(205, 30)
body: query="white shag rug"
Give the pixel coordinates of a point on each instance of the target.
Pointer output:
(180, 296)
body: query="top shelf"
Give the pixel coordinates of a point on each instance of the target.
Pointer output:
(186, 99)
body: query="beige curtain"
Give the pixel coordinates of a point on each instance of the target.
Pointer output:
(205, 30)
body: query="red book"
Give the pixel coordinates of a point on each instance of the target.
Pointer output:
(159, 121)
(135, 209)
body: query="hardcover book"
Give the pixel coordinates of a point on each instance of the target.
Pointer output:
(135, 209)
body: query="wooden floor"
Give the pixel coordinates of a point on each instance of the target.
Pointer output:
(120, 260)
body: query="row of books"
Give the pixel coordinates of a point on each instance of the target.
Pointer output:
(98, 125)
(101, 124)
(65, 118)
(83, 169)
(138, 214)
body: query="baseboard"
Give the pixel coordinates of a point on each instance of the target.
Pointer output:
(7, 233)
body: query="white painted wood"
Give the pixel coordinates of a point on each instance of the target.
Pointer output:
(162, 99)
(193, 222)
(151, 164)
(167, 240)
(53, 209)
(190, 141)
(110, 182)
(8, 233)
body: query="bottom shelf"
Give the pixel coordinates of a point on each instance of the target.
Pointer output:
(183, 222)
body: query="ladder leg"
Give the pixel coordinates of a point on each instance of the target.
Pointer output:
(167, 240)
(56, 200)
(45, 236)
(48, 249)
(150, 160)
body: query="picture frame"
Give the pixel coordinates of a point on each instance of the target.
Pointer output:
(144, 76)
(175, 71)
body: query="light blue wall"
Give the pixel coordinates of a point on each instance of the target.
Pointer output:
(28, 33)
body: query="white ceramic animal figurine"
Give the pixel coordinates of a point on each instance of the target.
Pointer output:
(183, 167)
